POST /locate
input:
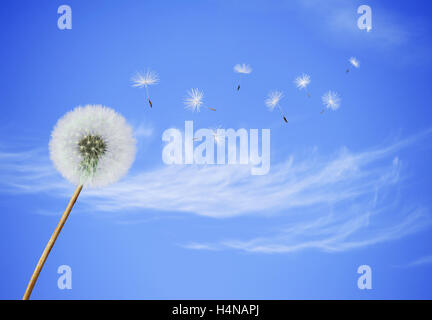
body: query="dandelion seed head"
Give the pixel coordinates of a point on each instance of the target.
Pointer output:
(242, 68)
(143, 80)
(273, 99)
(302, 81)
(194, 100)
(217, 135)
(92, 145)
(354, 62)
(331, 100)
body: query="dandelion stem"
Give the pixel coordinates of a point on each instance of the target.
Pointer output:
(51, 242)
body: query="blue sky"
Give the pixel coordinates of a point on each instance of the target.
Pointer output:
(346, 188)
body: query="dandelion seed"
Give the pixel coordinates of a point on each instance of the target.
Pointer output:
(354, 62)
(242, 69)
(144, 81)
(218, 137)
(272, 102)
(90, 146)
(331, 100)
(148, 79)
(302, 82)
(273, 99)
(195, 100)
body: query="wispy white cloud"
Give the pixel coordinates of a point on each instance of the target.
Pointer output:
(333, 234)
(29, 172)
(333, 203)
(143, 131)
(199, 246)
(422, 261)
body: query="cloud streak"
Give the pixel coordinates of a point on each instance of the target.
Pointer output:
(422, 261)
(335, 203)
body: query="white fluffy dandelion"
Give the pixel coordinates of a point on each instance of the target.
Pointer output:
(302, 82)
(144, 81)
(90, 146)
(194, 100)
(353, 62)
(272, 102)
(242, 69)
(331, 100)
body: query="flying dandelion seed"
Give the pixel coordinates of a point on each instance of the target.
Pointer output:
(242, 69)
(195, 100)
(91, 146)
(302, 82)
(354, 62)
(273, 99)
(144, 81)
(218, 137)
(331, 100)
(272, 102)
